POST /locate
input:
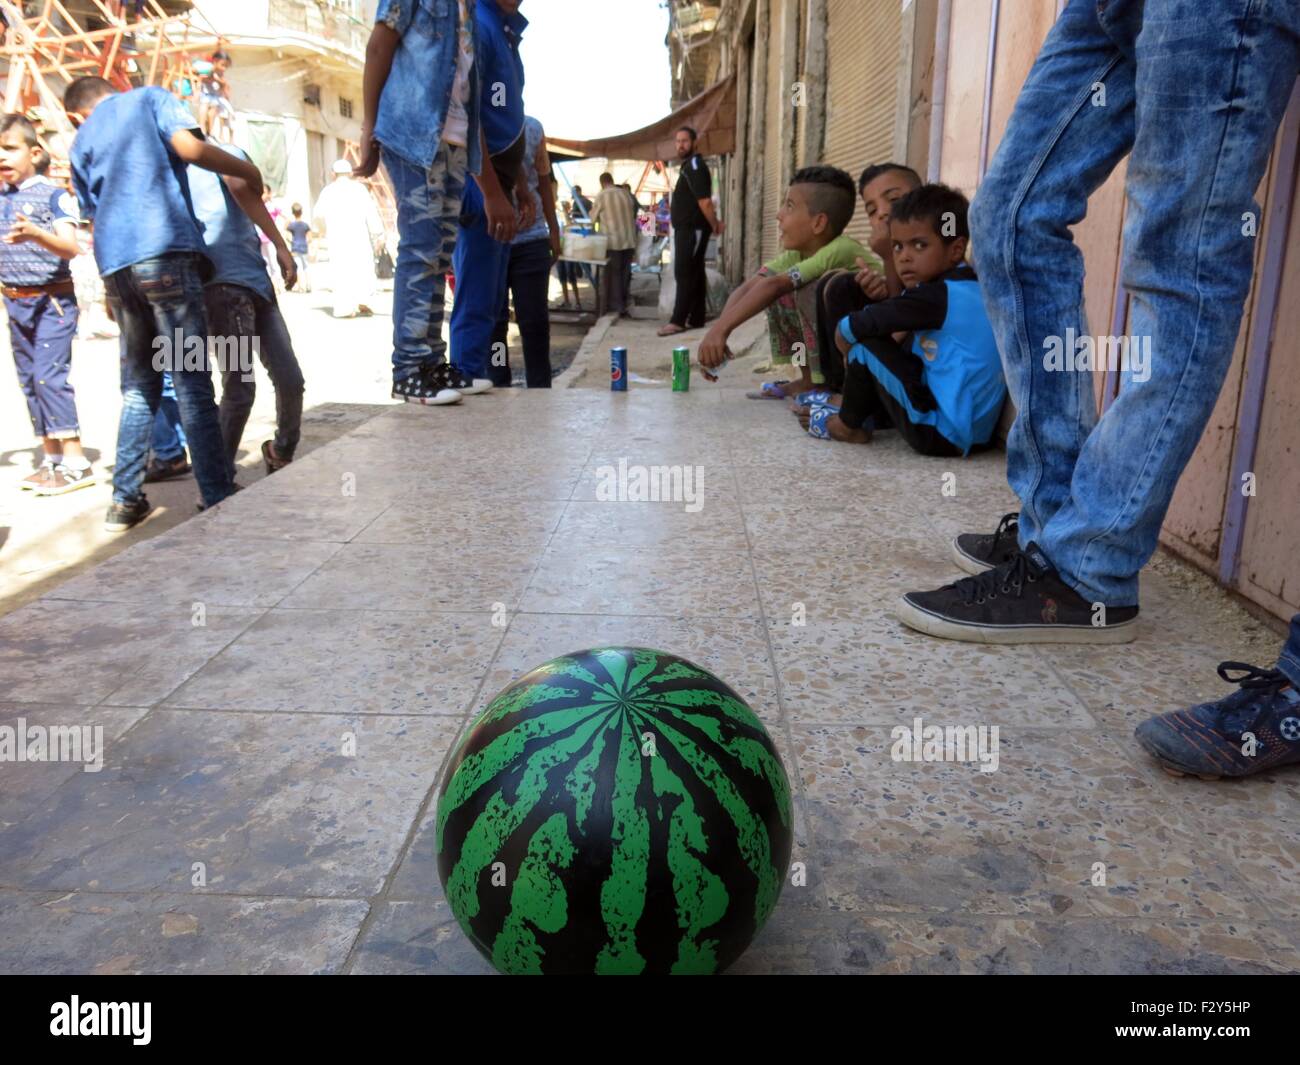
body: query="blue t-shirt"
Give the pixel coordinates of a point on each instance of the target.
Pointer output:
(131, 183)
(28, 265)
(229, 235)
(541, 229)
(298, 230)
(500, 75)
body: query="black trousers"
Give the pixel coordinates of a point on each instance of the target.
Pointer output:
(866, 397)
(529, 280)
(690, 246)
(838, 296)
(618, 280)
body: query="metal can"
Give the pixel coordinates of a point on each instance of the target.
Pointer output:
(618, 369)
(681, 369)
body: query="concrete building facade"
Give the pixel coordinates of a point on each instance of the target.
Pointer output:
(295, 83)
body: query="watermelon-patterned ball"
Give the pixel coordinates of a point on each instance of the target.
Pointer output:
(617, 810)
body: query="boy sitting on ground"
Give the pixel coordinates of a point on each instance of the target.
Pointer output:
(818, 206)
(942, 385)
(841, 292)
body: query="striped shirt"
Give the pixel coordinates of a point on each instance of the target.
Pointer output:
(616, 217)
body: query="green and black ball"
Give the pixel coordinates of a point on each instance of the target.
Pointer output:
(617, 810)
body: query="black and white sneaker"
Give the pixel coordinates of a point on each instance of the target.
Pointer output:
(1023, 600)
(461, 383)
(430, 388)
(123, 516)
(976, 552)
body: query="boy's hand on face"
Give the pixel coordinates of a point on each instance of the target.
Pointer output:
(713, 349)
(873, 285)
(288, 267)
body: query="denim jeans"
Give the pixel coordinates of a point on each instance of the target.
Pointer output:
(482, 268)
(237, 312)
(162, 300)
(428, 213)
(1289, 662)
(1196, 90)
(529, 280)
(167, 439)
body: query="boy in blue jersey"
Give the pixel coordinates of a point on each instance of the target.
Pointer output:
(38, 223)
(941, 384)
(243, 315)
(128, 170)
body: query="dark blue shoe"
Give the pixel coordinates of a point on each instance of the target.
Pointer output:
(1254, 729)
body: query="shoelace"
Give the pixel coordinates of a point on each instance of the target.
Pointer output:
(1254, 679)
(1009, 578)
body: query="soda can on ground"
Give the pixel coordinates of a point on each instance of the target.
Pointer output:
(681, 369)
(618, 369)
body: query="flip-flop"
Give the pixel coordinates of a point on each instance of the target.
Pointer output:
(814, 397)
(821, 414)
(770, 390)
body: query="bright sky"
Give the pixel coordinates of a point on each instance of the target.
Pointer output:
(594, 68)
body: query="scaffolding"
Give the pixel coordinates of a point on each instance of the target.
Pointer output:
(129, 43)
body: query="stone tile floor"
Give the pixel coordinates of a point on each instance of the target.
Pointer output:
(358, 595)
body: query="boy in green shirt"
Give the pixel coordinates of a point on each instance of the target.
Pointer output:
(818, 206)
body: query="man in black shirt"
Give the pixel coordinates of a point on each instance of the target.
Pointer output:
(694, 220)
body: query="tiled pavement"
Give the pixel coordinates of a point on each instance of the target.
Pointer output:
(385, 586)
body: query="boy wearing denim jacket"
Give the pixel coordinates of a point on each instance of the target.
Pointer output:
(422, 120)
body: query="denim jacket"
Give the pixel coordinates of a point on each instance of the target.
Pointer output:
(413, 106)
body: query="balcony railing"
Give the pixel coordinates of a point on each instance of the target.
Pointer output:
(321, 20)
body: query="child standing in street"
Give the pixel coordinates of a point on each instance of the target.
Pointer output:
(38, 222)
(422, 116)
(128, 168)
(299, 232)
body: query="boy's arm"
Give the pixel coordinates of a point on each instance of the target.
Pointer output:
(547, 192)
(753, 297)
(922, 307)
(380, 50)
(501, 220)
(62, 242)
(190, 149)
(252, 205)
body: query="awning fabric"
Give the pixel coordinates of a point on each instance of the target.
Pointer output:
(712, 114)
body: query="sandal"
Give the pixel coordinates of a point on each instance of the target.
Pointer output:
(770, 390)
(821, 414)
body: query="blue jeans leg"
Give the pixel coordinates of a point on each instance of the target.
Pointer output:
(168, 438)
(482, 265)
(1213, 81)
(428, 214)
(1059, 147)
(156, 303)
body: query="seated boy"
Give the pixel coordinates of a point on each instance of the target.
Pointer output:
(818, 206)
(132, 149)
(941, 385)
(841, 292)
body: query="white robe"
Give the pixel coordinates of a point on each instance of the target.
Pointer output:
(347, 214)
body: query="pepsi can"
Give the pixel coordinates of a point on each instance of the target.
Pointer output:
(618, 369)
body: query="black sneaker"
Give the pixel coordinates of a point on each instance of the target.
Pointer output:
(123, 516)
(1021, 601)
(166, 469)
(465, 385)
(1255, 728)
(429, 388)
(976, 552)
